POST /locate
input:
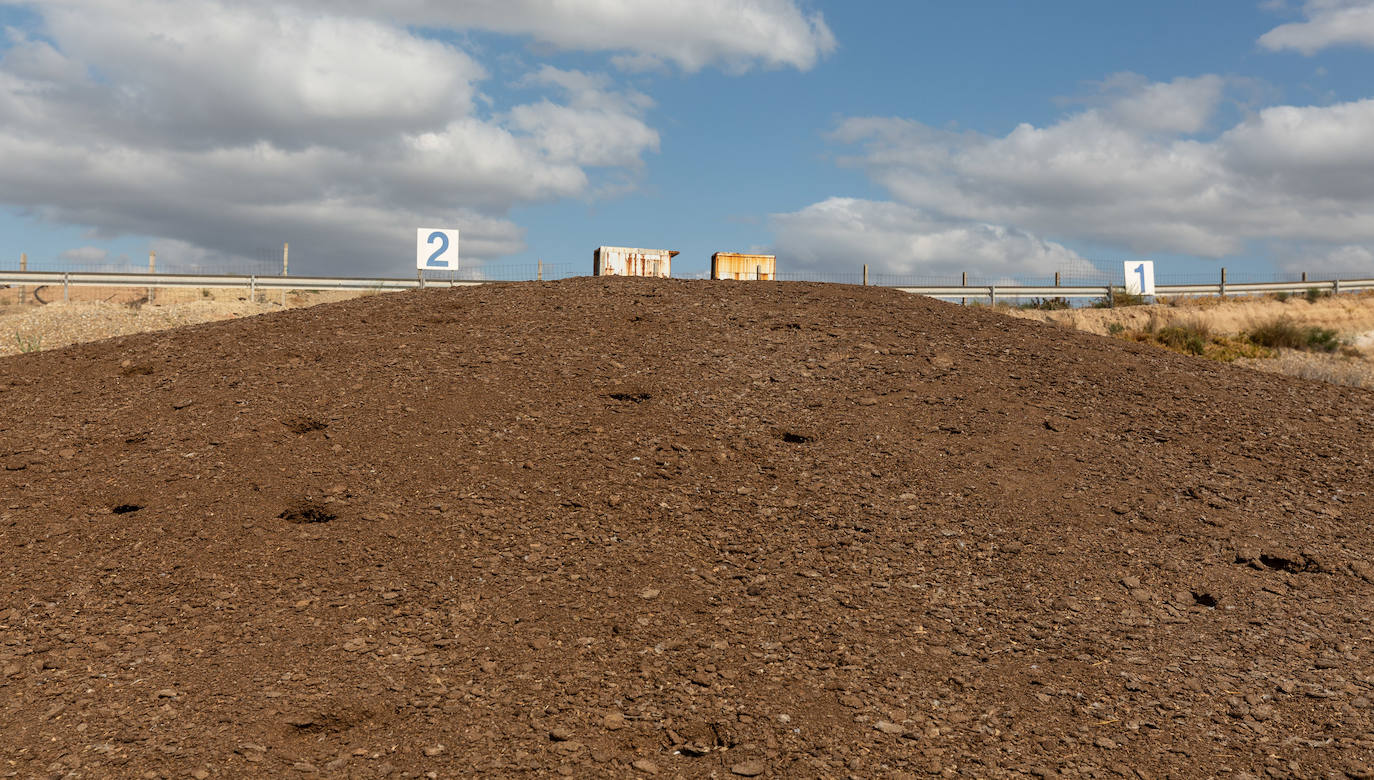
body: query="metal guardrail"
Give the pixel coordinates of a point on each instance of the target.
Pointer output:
(251, 282)
(993, 293)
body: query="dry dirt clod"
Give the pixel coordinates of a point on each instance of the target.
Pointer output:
(888, 727)
(646, 766)
(748, 768)
(614, 721)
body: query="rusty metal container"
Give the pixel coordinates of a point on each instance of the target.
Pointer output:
(624, 261)
(731, 265)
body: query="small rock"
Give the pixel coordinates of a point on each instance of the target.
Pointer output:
(649, 594)
(614, 500)
(488, 666)
(355, 645)
(888, 727)
(646, 766)
(182, 404)
(200, 774)
(1131, 583)
(614, 722)
(1288, 686)
(435, 750)
(748, 769)
(561, 735)
(167, 693)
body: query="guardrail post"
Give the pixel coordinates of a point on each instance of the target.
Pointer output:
(1111, 297)
(1336, 286)
(963, 283)
(252, 288)
(23, 288)
(992, 294)
(1223, 281)
(66, 277)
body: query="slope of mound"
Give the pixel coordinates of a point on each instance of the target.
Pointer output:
(626, 527)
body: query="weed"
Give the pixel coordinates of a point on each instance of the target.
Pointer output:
(1284, 333)
(1119, 297)
(1282, 297)
(1116, 329)
(28, 343)
(1180, 338)
(1048, 304)
(1315, 294)
(1195, 338)
(204, 293)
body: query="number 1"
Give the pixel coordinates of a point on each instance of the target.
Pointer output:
(1140, 269)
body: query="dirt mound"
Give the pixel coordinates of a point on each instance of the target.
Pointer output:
(626, 527)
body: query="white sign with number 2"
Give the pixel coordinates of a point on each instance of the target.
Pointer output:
(436, 250)
(1140, 277)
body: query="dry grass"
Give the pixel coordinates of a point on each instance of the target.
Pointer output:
(1327, 338)
(107, 313)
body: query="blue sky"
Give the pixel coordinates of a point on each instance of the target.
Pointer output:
(1004, 138)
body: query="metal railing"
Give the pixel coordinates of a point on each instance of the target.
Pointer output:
(992, 293)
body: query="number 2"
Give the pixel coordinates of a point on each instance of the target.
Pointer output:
(438, 253)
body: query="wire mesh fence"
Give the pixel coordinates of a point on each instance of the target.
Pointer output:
(274, 262)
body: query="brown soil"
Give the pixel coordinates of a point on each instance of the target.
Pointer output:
(611, 528)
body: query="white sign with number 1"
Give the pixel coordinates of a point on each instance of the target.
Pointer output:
(1140, 277)
(436, 250)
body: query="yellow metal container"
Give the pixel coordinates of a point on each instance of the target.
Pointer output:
(730, 265)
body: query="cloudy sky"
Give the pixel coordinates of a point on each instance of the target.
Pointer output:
(924, 138)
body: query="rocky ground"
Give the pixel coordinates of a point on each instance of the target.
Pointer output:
(622, 528)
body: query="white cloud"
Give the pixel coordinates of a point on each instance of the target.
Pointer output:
(220, 127)
(1328, 23)
(1183, 105)
(738, 34)
(1112, 176)
(846, 233)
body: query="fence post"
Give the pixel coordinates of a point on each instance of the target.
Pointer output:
(1111, 296)
(1056, 278)
(1304, 276)
(23, 288)
(152, 269)
(865, 274)
(252, 288)
(66, 277)
(963, 282)
(1223, 281)
(540, 276)
(285, 266)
